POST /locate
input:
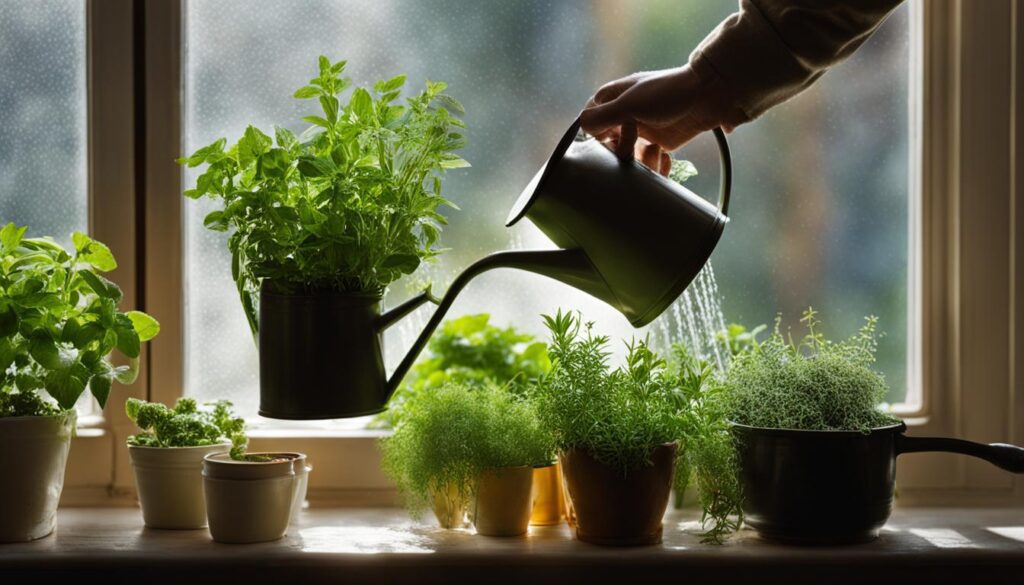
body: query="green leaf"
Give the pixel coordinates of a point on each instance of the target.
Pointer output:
(286, 139)
(128, 341)
(101, 286)
(10, 237)
(99, 385)
(145, 326)
(454, 162)
(65, 385)
(7, 354)
(8, 319)
(252, 145)
(44, 350)
(361, 104)
(127, 374)
(215, 221)
(98, 255)
(317, 121)
(389, 85)
(87, 334)
(304, 93)
(405, 263)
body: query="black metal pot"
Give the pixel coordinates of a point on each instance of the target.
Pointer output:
(834, 487)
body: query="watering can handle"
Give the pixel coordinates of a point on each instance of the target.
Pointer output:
(725, 180)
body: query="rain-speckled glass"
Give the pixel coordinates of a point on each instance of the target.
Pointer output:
(820, 205)
(43, 143)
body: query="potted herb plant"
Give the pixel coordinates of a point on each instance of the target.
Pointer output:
(322, 224)
(620, 432)
(817, 454)
(59, 322)
(469, 448)
(252, 497)
(167, 457)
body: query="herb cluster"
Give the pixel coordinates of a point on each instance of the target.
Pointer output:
(470, 350)
(450, 434)
(186, 425)
(59, 321)
(813, 384)
(351, 205)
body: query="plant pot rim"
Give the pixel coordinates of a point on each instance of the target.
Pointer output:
(280, 458)
(807, 433)
(71, 413)
(361, 297)
(588, 452)
(194, 447)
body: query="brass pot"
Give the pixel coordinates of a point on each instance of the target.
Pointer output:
(548, 496)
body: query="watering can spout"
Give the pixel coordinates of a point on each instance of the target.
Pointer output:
(571, 267)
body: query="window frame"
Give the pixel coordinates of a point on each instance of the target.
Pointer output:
(965, 263)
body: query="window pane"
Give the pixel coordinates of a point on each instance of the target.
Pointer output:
(43, 145)
(820, 200)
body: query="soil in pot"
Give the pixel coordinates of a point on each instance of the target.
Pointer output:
(504, 501)
(619, 508)
(169, 481)
(34, 449)
(250, 500)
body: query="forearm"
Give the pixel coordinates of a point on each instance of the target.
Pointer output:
(771, 50)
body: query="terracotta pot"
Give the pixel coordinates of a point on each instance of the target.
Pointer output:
(449, 507)
(169, 482)
(504, 501)
(619, 509)
(33, 452)
(249, 501)
(548, 496)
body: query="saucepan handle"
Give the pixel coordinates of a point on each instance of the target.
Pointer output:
(725, 162)
(1008, 457)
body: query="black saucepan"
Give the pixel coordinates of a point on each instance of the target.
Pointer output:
(834, 487)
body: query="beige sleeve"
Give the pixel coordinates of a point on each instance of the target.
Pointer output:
(772, 50)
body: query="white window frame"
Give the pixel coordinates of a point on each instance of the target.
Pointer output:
(966, 271)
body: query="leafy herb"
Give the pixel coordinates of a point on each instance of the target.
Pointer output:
(471, 351)
(815, 384)
(681, 171)
(620, 415)
(186, 425)
(351, 205)
(452, 433)
(59, 322)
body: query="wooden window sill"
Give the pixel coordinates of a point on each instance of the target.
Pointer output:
(384, 545)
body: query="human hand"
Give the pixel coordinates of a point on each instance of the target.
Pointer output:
(649, 114)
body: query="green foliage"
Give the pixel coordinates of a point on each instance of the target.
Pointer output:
(186, 425)
(450, 434)
(815, 384)
(351, 205)
(709, 458)
(618, 415)
(59, 322)
(469, 350)
(738, 339)
(682, 171)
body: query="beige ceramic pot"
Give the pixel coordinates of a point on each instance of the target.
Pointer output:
(33, 452)
(504, 501)
(170, 484)
(548, 496)
(250, 501)
(449, 507)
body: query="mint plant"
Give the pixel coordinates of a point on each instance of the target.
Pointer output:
(350, 205)
(59, 322)
(186, 425)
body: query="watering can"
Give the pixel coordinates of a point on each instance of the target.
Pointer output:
(625, 234)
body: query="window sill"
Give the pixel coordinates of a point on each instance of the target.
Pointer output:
(918, 545)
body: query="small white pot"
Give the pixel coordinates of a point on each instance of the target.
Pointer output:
(170, 484)
(250, 501)
(302, 470)
(33, 454)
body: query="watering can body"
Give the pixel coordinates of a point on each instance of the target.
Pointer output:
(625, 235)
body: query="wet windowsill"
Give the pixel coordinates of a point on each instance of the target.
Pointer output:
(383, 545)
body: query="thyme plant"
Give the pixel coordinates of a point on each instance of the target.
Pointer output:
(810, 384)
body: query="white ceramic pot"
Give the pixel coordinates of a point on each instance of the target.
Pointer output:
(170, 484)
(504, 501)
(251, 501)
(33, 454)
(302, 470)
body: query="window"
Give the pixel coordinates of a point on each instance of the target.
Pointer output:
(835, 237)
(43, 148)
